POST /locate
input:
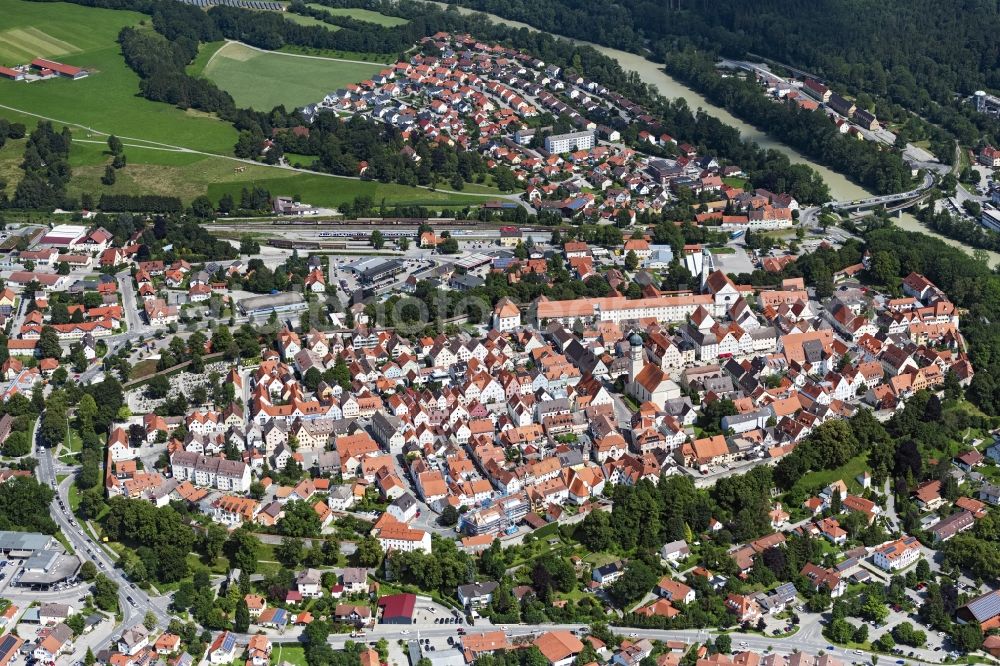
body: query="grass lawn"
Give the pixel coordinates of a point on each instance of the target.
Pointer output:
(106, 100)
(205, 53)
(302, 160)
(324, 191)
(74, 497)
(265, 79)
(65, 542)
(293, 654)
(74, 442)
(735, 182)
(60, 478)
(309, 20)
(812, 481)
(600, 559)
(11, 156)
(361, 15)
(380, 58)
(142, 369)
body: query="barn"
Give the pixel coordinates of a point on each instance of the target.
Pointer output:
(68, 71)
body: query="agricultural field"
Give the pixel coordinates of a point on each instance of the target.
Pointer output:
(366, 15)
(265, 79)
(106, 100)
(156, 135)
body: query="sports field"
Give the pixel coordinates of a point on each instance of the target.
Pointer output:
(361, 15)
(264, 79)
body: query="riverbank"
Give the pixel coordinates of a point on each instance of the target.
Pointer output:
(654, 74)
(908, 222)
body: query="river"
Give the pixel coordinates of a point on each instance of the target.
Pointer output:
(652, 73)
(910, 223)
(841, 189)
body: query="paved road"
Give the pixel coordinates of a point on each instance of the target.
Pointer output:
(137, 327)
(887, 199)
(132, 614)
(808, 638)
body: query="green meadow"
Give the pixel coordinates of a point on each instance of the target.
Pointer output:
(366, 15)
(106, 102)
(264, 79)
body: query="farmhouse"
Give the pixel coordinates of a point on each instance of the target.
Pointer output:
(68, 71)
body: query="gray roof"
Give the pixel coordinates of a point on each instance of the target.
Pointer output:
(354, 575)
(477, 589)
(985, 607)
(404, 502)
(285, 299)
(24, 541)
(678, 546)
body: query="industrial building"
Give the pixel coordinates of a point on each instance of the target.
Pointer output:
(262, 306)
(45, 563)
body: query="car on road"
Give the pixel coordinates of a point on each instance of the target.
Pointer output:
(405, 632)
(858, 652)
(829, 647)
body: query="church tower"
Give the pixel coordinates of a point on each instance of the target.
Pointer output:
(636, 352)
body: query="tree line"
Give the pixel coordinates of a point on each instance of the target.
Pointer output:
(46, 168)
(811, 132)
(140, 203)
(967, 232)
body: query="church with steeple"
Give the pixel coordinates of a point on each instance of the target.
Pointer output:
(646, 381)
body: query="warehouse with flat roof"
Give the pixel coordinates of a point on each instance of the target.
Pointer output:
(381, 271)
(263, 306)
(22, 545)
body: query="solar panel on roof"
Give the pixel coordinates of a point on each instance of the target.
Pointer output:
(985, 607)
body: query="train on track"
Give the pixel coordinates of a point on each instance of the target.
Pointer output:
(379, 221)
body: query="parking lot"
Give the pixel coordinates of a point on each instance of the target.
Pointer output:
(429, 612)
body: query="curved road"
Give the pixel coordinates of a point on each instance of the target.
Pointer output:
(132, 613)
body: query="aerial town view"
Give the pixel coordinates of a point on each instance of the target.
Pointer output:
(497, 333)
